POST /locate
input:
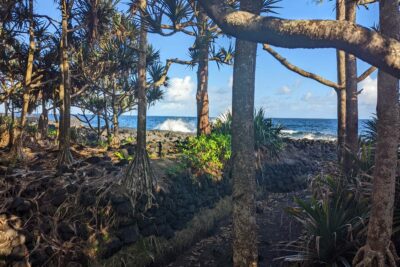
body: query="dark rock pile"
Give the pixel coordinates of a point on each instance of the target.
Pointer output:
(298, 160)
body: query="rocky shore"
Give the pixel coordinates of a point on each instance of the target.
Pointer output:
(80, 215)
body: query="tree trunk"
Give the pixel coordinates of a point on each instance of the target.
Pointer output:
(243, 158)
(64, 155)
(351, 138)
(379, 250)
(43, 119)
(11, 127)
(98, 127)
(139, 176)
(6, 106)
(17, 146)
(341, 93)
(115, 138)
(203, 121)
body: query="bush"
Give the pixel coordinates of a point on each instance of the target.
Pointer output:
(266, 135)
(207, 154)
(334, 223)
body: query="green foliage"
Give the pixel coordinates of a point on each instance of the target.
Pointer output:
(334, 223)
(31, 129)
(371, 130)
(128, 140)
(52, 132)
(207, 154)
(121, 155)
(266, 134)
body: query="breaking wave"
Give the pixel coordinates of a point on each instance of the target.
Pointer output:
(176, 125)
(308, 135)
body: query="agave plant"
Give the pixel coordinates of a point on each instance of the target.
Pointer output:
(334, 226)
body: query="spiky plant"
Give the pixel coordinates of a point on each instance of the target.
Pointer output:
(334, 226)
(267, 134)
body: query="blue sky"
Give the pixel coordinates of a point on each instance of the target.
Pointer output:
(282, 93)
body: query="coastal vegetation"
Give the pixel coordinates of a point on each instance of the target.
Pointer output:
(78, 189)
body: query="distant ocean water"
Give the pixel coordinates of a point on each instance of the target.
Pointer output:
(314, 129)
(323, 129)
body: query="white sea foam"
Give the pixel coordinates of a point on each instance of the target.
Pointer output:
(176, 125)
(289, 131)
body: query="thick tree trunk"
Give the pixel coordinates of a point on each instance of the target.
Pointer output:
(243, 158)
(351, 138)
(64, 155)
(139, 176)
(379, 251)
(375, 48)
(341, 93)
(17, 146)
(203, 121)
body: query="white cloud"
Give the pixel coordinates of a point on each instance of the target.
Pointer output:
(230, 81)
(179, 89)
(284, 90)
(368, 95)
(307, 97)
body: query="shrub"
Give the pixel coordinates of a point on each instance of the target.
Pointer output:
(207, 154)
(266, 135)
(334, 223)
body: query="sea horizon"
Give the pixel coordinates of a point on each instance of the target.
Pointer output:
(296, 128)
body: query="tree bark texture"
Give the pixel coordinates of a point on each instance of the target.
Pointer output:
(379, 250)
(243, 158)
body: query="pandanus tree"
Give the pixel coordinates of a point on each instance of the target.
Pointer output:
(379, 250)
(111, 67)
(90, 18)
(139, 177)
(168, 17)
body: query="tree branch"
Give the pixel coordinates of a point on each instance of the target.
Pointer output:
(368, 45)
(366, 73)
(300, 71)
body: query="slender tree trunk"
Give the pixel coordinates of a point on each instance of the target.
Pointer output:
(341, 80)
(203, 121)
(379, 250)
(139, 176)
(115, 139)
(17, 147)
(6, 107)
(107, 124)
(43, 119)
(351, 101)
(243, 170)
(65, 156)
(98, 127)
(11, 127)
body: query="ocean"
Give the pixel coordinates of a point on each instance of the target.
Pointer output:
(294, 128)
(322, 129)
